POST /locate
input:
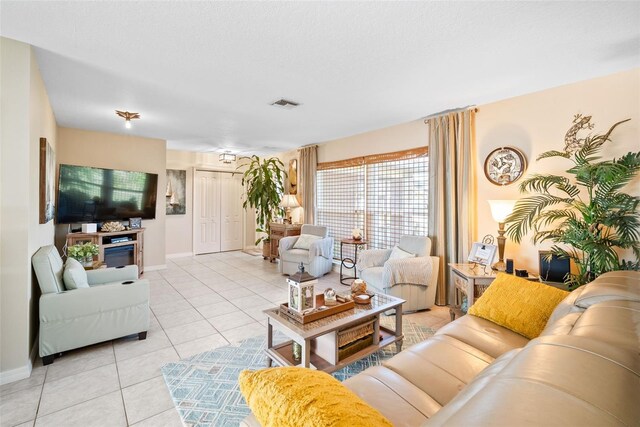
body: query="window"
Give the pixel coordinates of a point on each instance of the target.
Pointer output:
(384, 195)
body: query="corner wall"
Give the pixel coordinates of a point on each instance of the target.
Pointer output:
(125, 152)
(26, 116)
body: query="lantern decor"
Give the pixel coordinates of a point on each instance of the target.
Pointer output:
(302, 298)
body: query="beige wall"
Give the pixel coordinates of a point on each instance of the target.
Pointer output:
(179, 228)
(395, 138)
(538, 122)
(114, 151)
(26, 117)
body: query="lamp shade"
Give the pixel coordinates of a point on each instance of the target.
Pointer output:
(501, 209)
(289, 201)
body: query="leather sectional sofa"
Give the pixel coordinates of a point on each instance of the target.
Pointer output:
(584, 369)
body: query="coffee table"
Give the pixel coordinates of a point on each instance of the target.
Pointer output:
(307, 335)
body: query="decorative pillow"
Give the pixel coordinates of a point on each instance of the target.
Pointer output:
(518, 304)
(398, 253)
(74, 276)
(294, 396)
(305, 241)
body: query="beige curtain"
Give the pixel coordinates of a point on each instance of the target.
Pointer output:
(452, 200)
(308, 167)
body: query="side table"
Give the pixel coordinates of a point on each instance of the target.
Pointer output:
(470, 281)
(348, 263)
(278, 231)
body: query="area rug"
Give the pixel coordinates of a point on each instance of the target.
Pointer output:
(204, 387)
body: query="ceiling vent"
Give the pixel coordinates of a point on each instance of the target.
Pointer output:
(284, 103)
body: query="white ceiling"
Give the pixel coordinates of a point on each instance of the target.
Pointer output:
(202, 74)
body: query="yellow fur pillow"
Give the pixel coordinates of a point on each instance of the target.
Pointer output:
(297, 397)
(518, 304)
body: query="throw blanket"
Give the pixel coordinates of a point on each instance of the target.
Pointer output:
(415, 271)
(322, 247)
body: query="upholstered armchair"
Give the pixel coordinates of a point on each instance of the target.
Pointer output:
(79, 308)
(406, 271)
(312, 248)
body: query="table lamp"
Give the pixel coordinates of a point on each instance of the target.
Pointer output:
(500, 210)
(289, 201)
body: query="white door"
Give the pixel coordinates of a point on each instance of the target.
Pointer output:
(231, 211)
(206, 208)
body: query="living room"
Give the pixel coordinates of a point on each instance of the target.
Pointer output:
(526, 74)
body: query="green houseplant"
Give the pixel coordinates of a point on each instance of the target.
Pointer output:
(263, 180)
(83, 252)
(585, 213)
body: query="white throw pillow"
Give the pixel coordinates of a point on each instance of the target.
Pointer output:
(398, 253)
(74, 276)
(305, 241)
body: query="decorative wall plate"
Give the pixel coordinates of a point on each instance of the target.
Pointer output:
(505, 165)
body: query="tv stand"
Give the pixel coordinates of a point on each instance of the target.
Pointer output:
(112, 240)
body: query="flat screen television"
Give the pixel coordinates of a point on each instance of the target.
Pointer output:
(87, 194)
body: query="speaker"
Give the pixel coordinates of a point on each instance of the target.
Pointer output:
(509, 266)
(555, 269)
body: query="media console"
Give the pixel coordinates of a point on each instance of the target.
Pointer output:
(116, 248)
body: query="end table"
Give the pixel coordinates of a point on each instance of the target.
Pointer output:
(348, 263)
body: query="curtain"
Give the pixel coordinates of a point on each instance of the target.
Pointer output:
(452, 200)
(308, 167)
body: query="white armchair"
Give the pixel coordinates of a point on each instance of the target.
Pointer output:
(413, 279)
(312, 248)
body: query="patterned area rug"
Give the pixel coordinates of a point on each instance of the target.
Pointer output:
(205, 388)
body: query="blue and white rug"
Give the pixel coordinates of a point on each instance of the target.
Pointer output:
(205, 388)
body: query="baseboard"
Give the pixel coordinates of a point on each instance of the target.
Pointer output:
(180, 255)
(155, 267)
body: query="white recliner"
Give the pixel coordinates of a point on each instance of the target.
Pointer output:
(413, 279)
(111, 303)
(312, 248)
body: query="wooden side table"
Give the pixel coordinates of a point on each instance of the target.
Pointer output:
(470, 282)
(278, 231)
(348, 263)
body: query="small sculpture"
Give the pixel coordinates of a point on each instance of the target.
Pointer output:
(356, 234)
(112, 226)
(358, 287)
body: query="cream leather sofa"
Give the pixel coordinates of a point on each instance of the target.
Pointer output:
(583, 370)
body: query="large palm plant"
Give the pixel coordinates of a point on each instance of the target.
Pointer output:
(263, 180)
(587, 216)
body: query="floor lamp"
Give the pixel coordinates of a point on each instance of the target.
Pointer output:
(500, 210)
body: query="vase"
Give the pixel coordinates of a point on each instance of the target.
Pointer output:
(87, 261)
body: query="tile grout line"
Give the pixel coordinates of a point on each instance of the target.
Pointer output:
(124, 406)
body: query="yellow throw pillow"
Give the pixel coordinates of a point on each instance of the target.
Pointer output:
(518, 304)
(295, 397)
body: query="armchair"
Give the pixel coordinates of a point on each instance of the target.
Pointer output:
(317, 259)
(111, 304)
(413, 279)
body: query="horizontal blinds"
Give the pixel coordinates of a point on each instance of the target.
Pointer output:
(375, 158)
(386, 195)
(397, 201)
(340, 202)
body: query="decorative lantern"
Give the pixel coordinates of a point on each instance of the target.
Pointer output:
(302, 298)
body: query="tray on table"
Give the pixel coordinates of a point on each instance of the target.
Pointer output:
(318, 314)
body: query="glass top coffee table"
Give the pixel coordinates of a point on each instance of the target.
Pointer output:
(320, 340)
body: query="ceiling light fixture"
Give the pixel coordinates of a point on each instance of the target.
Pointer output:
(227, 157)
(127, 116)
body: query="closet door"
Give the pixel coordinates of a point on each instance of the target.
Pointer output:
(206, 207)
(231, 212)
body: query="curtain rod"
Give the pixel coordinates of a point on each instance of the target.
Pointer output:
(307, 146)
(453, 110)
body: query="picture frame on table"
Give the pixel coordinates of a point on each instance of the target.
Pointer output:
(482, 253)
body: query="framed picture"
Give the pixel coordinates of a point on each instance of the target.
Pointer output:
(135, 223)
(482, 253)
(176, 192)
(47, 181)
(293, 176)
(505, 165)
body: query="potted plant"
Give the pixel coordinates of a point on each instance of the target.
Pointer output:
(263, 180)
(83, 252)
(585, 214)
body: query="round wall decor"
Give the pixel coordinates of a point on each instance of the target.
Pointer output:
(505, 165)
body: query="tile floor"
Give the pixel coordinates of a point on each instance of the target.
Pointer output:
(197, 303)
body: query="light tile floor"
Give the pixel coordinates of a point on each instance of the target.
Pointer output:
(197, 303)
